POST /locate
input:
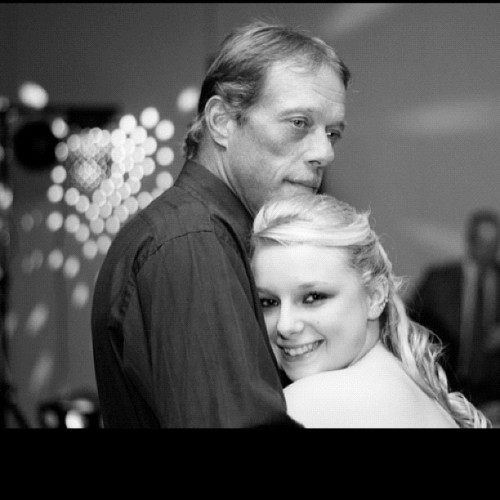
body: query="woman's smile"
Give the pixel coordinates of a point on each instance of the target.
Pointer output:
(299, 352)
(315, 306)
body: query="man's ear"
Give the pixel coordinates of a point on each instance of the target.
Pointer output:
(378, 299)
(219, 120)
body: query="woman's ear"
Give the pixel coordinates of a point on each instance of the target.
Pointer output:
(378, 299)
(218, 119)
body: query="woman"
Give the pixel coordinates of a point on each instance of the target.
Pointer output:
(338, 326)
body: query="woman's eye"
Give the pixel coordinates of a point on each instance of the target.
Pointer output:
(265, 302)
(314, 297)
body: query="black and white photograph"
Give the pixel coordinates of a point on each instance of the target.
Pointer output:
(249, 216)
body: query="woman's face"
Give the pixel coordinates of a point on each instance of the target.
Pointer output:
(318, 314)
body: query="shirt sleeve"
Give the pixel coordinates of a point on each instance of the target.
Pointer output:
(202, 358)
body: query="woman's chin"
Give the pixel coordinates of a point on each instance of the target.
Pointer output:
(298, 373)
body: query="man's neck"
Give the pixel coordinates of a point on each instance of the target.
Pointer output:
(213, 163)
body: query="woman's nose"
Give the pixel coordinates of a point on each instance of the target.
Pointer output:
(289, 323)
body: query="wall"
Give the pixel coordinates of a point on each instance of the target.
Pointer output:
(420, 148)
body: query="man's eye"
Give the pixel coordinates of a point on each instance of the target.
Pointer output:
(299, 122)
(313, 297)
(334, 135)
(265, 302)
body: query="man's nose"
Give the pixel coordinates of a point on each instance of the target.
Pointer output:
(321, 151)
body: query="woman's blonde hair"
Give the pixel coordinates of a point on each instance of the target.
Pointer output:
(325, 221)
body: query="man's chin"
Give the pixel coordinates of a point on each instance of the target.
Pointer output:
(292, 189)
(287, 190)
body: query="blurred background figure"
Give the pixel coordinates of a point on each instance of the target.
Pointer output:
(460, 302)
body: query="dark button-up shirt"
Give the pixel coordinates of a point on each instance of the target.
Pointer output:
(179, 339)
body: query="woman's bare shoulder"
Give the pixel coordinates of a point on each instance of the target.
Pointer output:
(374, 392)
(341, 398)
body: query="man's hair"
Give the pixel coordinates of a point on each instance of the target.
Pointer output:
(238, 72)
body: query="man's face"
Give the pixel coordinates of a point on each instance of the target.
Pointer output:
(483, 245)
(287, 140)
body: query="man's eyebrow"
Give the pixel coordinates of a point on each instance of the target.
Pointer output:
(340, 123)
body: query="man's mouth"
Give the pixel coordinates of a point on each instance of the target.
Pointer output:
(307, 184)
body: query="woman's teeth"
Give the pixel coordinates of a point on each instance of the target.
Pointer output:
(303, 349)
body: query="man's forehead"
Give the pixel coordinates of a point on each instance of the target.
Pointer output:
(281, 73)
(302, 67)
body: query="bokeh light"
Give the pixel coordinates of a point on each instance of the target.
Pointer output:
(165, 130)
(139, 135)
(149, 117)
(55, 193)
(102, 178)
(42, 372)
(74, 420)
(144, 199)
(165, 156)
(6, 196)
(37, 319)
(127, 123)
(89, 158)
(103, 243)
(58, 174)
(80, 296)
(33, 95)
(71, 267)
(187, 101)
(71, 196)
(97, 225)
(90, 249)
(164, 180)
(11, 323)
(72, 223)
(62, 151)
(59, 128)
(55, 259)
(82, 234)
(54, 221)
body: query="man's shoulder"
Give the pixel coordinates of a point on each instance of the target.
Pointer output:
(174, 214)
(445, 268)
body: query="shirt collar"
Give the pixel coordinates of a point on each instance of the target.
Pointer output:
(215, 193)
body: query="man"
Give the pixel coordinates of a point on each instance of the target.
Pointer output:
(460, 303)
(178, 334)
